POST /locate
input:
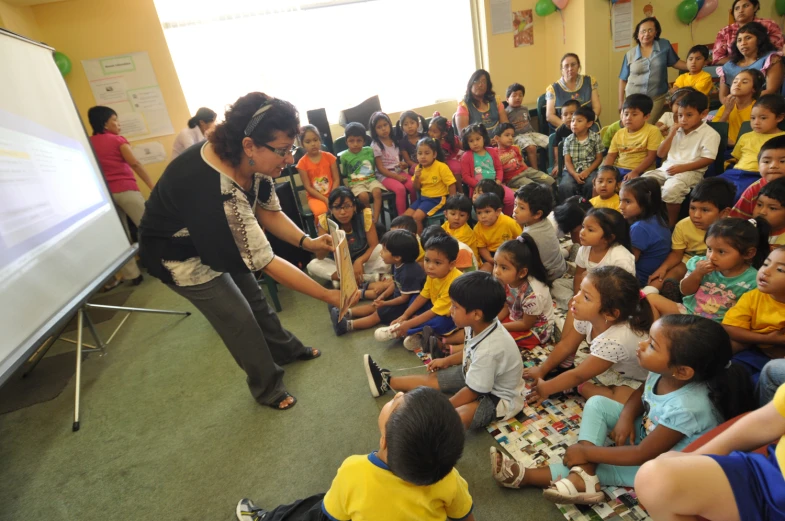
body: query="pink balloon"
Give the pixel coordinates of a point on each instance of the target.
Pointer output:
(709, 6)
(561, 4)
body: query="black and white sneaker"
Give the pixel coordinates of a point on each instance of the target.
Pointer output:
(378, 378)
(247, 511)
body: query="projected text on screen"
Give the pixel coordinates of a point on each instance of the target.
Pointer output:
(47, 186)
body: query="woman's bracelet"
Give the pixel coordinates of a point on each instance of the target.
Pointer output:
(302, 240)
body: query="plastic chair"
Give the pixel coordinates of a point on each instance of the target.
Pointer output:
(360, 113)
(745, 127)
(719, 162)
(542, 122)
(339, 145)
(272, 289)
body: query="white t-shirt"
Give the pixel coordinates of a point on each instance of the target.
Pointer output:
(617, 344)
(703, 142)
(492, 364)
(666, 119)
(616, 255)
(185, 139)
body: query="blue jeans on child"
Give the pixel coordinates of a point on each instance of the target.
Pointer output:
(599, 418)
(771, 377)
(568, 186)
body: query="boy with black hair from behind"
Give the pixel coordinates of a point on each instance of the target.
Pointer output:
(411, 476)
(485, 378)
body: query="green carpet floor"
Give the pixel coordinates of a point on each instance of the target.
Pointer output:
(170, 431)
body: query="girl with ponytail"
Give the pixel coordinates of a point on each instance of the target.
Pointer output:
(611, 314)
(691, 388)
(528, 315)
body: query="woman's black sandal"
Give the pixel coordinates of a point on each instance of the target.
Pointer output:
(310, 354)
(277, 403)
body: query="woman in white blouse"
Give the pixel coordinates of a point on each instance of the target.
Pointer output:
(198, 127)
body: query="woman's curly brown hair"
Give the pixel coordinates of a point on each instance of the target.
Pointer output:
(227, 139)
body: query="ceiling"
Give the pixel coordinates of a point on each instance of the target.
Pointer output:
(22, 3)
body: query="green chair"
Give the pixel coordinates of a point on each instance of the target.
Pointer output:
(291, 175)
(272, 289)
(719, 162)
(745, 127)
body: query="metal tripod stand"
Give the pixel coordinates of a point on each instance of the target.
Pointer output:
(100, 347)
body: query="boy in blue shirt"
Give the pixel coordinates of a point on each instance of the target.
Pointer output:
(400, 249)
(411, 476)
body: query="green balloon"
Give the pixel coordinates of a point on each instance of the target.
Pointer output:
(63, 63)
(687, 11)
(546, 7)
(780, 6)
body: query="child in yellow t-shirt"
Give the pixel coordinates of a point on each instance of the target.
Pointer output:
(737, 108)
(711, 200)
(493, 228)
(696, 77)
(457, 211)
(432, 306)
(425, 426)
(433, 179)
(768, 112)
(605, 186)
(756, 324)
(634, 148)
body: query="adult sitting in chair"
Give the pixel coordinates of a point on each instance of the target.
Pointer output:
(571, 85)
(201, 236)
(479, 104)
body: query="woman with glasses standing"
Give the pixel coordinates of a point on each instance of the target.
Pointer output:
(202, 235)
(645, 67)
(571, 85)
(479, 104)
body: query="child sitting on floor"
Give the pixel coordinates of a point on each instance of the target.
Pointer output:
(518, 114)
(641, 205)
(432, 306)
(756, 324)
(634, 148)
(605, 184)
(771, 206)
(569, 221)
(688, 150)
(492, 228)
(767, 113)
(528, 315)
(610, 315)
(533, 203)
(400, 250)
(690, 389)
(485, 377)
(489, 186)
(710, 201)
(412, 472)
(466, 260)
(771, 165)
(735, 249)
(723, 479)
(605, 241)
(457, 211)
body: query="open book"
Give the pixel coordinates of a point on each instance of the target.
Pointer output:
(350, 293)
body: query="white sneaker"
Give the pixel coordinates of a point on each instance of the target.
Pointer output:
(385, 334)
(413, 342)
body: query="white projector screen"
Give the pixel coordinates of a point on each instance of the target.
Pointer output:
(60, 235)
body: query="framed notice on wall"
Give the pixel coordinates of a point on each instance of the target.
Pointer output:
(127, 83)
(623, 25)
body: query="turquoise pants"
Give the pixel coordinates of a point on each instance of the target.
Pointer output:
(599, 418)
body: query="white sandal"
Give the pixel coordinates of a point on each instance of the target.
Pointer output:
(565, 493)
(505, 472)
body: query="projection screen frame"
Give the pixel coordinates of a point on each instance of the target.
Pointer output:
(58, 320)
